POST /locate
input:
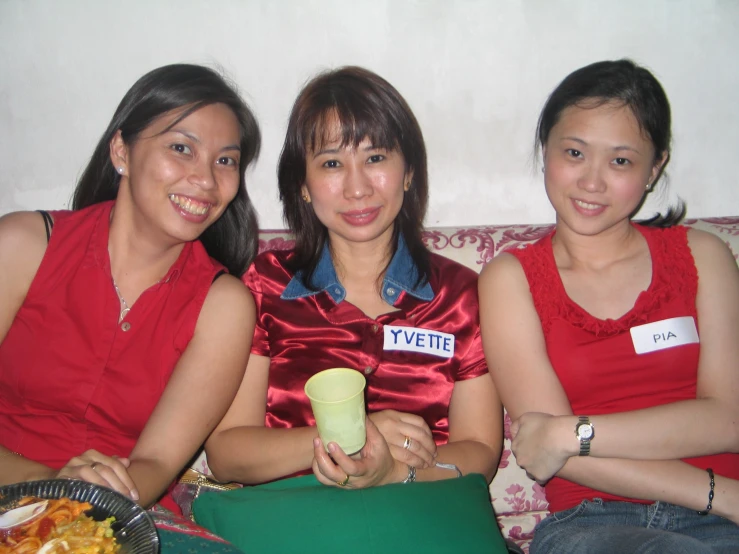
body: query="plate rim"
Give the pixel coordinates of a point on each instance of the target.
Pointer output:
(84, 491)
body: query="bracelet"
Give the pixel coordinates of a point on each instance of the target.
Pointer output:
(411, 475)
(449, 466)
(710, 494)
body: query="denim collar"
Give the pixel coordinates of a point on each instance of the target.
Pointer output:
(401, 275)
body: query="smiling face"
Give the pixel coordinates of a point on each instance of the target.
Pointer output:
(356, 193)
(597, 165)
(179, 177)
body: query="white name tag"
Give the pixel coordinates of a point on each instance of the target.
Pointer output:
(667, 333)
(415, 339)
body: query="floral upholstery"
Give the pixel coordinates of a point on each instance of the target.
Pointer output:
(518, 501)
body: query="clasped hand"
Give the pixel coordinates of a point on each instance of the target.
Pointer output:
(108, 471)
(537, 442)
(384, 457)
(400, 429)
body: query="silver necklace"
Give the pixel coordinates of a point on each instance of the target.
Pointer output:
(124, 306)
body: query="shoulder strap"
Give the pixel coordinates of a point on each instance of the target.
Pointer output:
(48, 223)
(217, 275)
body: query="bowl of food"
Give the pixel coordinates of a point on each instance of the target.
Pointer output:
(62, 515)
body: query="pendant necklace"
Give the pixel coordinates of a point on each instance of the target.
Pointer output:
(124, 306)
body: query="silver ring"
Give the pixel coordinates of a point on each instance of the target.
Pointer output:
(408, 442)
(93, 465)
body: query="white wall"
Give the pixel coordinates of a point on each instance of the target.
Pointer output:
(476, 73)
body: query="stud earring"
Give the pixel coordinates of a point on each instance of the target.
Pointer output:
(120, 170)
(306, 198)
(649, 187)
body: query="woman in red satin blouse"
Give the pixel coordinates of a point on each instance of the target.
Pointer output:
(121, 336)
(360, 290)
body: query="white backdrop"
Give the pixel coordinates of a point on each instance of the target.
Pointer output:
(476, 73)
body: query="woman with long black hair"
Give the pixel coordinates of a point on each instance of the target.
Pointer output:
(121, 331)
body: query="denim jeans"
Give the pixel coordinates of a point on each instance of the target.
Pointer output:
(597, 527)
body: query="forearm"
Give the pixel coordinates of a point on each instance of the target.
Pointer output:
(14, 468)
(253, 455)
(151, 477)
(468, 455)
(670, 481)
(667, 432)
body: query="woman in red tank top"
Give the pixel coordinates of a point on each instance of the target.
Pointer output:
(618, 403)
(122, 340)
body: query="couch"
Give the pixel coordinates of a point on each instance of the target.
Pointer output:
(519, 502)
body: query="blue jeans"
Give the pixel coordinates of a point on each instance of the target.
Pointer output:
(597, 527)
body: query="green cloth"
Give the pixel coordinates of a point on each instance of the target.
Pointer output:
(172, 542)
(302, 515)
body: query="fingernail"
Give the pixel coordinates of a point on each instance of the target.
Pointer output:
(135, 495)
(332, 447)
(316, 442)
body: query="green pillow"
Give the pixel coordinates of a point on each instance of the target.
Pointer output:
(302, 515)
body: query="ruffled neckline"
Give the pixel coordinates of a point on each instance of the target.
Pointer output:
(552, 300)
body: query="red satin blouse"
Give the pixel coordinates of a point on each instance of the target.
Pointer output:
(313, 331)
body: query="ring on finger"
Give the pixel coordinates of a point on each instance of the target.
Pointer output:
(93, 465)
(344, 482)
(408, 442)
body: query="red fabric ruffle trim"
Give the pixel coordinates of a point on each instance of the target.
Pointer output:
(673, 272)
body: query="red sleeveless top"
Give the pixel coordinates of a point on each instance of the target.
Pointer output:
(71, 377)
(595, 359)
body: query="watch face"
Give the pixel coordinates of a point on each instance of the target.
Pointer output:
(585, 432)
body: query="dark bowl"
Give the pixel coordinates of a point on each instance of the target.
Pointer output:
(133, 528)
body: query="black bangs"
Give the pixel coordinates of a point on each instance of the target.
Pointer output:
(355, 124)
(359, 105)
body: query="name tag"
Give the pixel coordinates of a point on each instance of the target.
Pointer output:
(415, 339)
(667, 333)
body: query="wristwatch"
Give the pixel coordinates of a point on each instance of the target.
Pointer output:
(585, 432)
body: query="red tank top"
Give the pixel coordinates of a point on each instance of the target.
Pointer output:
(71, 377)
(595, 359)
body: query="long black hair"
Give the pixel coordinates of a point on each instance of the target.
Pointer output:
(232, 239)
(624, 82)
(366, 106)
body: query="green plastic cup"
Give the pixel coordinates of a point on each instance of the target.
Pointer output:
(337, 398)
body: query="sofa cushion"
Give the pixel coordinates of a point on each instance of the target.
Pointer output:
(453, 515)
